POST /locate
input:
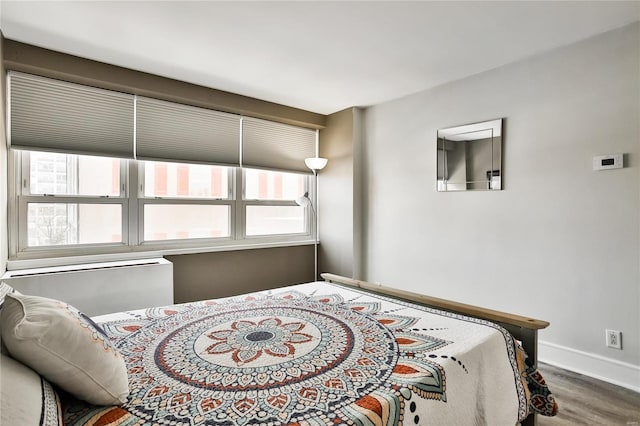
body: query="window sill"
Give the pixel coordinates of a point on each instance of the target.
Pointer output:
(17, 264)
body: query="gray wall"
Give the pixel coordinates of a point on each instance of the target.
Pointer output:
(220, 274)
(339, 194)
(561, 242)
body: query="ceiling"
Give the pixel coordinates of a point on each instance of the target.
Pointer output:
(320, 56)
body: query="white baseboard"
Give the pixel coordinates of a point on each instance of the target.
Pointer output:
(592, 365)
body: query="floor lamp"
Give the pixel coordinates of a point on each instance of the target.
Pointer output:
(315, 164)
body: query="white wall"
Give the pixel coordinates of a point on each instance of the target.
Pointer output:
(561, 242)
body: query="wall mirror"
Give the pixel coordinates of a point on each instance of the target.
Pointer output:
(470, 157)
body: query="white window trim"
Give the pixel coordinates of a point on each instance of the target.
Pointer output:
(242, 207)
(132, 201)
(143, 201)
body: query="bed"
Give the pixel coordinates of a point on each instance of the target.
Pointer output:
(338, 352)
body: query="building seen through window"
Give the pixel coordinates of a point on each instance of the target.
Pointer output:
(73, 176)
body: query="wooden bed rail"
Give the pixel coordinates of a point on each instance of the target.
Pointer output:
(448, 305)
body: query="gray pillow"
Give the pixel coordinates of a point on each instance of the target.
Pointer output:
(26, 398)
(65, 347)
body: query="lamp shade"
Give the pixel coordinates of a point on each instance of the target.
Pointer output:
(315, 163)
(304, 200)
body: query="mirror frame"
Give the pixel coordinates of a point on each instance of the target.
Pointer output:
(475, 132)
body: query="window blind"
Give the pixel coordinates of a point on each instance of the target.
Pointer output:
(51, 115)
(276, 146)
(174, 132)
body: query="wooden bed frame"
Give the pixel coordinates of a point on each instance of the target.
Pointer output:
(522, 328)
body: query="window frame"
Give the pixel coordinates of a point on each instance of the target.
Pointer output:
(133, 202)
(23, 197)
(246, 202)
(143, 201)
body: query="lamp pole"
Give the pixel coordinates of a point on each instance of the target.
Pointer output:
(315, 164)
(315, 218)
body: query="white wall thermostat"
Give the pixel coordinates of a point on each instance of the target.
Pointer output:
(606, 162)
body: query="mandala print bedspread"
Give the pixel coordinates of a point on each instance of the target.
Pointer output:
(314, 354)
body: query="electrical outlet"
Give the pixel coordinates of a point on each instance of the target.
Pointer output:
(614, 339)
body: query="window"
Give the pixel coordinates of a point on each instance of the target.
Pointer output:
(185, 201)
(70, 200)
(269, 202)
(69, 204)
(59, 224)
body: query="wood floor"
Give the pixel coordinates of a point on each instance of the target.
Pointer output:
(586, 401)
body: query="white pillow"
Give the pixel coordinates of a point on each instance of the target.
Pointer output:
(26, 398)
(65, 347)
